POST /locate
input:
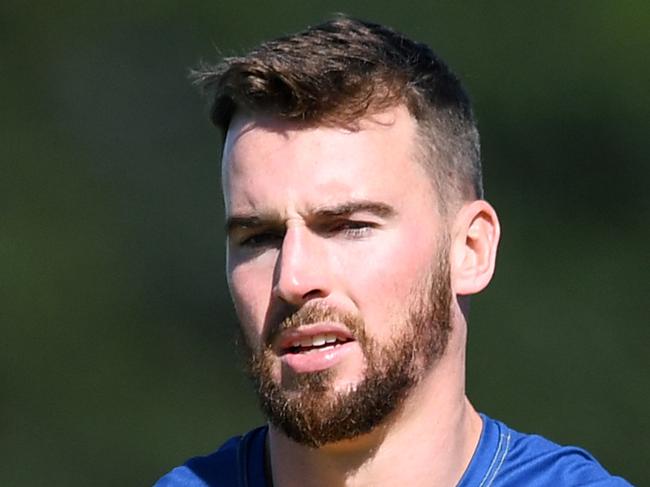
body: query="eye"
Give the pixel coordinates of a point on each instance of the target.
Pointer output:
(353, 229)
(260, 240)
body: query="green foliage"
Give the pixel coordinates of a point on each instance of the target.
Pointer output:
(117, 358)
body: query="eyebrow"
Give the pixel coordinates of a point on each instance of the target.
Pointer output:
(347, 208)
(236, 222)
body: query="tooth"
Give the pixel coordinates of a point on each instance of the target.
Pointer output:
(330, 338)
(306, 342)
(295, 344)
(319, 340)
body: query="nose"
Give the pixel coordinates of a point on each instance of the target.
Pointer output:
(301, 270)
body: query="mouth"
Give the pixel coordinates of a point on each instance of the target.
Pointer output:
(321, 342)
(315, 347)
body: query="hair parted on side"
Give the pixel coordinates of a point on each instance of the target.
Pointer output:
(345, 70)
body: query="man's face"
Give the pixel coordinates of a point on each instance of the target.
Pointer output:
(337, 265)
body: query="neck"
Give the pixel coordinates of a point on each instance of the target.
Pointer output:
(429, 441)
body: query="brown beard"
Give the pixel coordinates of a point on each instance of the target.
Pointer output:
(314, 415)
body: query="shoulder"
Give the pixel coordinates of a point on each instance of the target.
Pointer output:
(222, 468)
(527, 459)
(218, 468)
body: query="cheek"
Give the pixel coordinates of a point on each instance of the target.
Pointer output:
(250, 289)
(382, 278)
(383, 300)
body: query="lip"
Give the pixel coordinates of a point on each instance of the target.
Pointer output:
(314, 360)
(286, 338)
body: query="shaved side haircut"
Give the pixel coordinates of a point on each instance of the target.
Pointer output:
(345, 70)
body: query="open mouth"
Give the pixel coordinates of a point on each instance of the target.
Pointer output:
(315, 343)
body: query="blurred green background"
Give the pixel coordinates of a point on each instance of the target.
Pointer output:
(116, 358)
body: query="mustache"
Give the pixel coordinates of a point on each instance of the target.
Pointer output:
(315, 313)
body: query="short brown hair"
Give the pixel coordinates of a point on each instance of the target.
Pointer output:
(343, 70)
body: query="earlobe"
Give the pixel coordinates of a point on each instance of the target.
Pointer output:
(476, 233)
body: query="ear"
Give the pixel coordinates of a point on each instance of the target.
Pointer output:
(475, 237)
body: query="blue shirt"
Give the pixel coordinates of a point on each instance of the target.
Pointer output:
(503, 458)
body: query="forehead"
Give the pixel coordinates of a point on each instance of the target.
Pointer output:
(266, 159)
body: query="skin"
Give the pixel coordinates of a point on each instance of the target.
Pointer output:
(307, 217)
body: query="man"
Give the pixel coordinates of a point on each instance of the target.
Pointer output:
(356, 234)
